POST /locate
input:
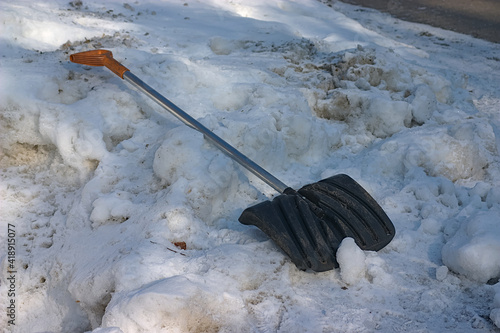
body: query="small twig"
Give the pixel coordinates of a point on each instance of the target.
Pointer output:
(182, 254)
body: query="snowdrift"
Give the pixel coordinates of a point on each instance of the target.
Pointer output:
(126, 220)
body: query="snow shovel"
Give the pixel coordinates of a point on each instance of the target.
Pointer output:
(308, 224)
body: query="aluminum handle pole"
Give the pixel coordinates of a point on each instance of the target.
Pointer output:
(214, 139)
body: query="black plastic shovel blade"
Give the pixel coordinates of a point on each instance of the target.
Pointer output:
(310, 223)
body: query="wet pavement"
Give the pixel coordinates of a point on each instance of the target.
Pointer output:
(477, 18)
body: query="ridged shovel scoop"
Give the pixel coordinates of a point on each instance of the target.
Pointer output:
(310, 223)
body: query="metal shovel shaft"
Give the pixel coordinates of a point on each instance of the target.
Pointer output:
(105, 58)
(209, 135)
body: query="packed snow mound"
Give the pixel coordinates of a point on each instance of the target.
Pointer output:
(473, 250)
(113, 208)
(369, 88)
(188, 304)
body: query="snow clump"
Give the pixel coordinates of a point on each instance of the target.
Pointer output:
(351, 261)
(474, 249)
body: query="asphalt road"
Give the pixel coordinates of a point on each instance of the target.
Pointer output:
(477, 18)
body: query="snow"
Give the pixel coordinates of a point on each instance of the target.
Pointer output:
(473, 249)
(101, 184)
(351, 261)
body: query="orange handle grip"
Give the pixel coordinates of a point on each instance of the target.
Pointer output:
(99, 58)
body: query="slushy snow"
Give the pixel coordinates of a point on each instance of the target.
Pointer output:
(104, 188)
